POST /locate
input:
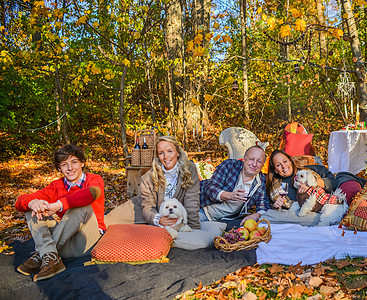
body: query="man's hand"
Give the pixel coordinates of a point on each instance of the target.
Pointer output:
(238, 195)
(254, 216)
(164, 221)
(39, 208)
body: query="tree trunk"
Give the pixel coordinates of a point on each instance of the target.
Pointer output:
(243, 4)
(122, 112)
(321, 21)
(174, 47)
(357, 53)
(63, 107)
(147, 71)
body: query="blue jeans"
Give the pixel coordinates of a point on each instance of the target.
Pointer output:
(202, 215)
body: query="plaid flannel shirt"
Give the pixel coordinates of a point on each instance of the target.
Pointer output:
(225, 178)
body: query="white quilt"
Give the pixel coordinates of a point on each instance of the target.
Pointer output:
(292, 244)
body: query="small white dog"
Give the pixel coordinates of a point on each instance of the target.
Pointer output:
(331, 207)
(173, 209)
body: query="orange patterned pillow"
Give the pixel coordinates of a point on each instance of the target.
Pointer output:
(356, 217)
(133, 243)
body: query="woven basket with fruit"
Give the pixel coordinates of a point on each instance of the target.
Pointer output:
(244, 238)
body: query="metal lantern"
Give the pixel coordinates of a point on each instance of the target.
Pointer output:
(235, 86)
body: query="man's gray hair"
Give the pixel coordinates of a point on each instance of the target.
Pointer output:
(252, 147)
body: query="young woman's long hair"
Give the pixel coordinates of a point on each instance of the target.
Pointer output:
(271, 171)
(183, 165)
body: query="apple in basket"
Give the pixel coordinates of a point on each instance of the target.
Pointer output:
(255, 234)
(250, 225)
(262, 230)
(244, 233)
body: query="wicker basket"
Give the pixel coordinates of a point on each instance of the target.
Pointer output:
(135, 157)
(221, 244)
(144, 157)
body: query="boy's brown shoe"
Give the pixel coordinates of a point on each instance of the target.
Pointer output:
(31, 265)
(51, 265)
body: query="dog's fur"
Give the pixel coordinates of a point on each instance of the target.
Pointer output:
(329, 213)
(172, 208)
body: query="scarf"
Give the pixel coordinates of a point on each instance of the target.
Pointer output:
(171, 177)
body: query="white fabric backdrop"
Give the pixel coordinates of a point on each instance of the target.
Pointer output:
(347, 151)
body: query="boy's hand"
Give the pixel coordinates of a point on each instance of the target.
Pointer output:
(54, 207)
(39, 208)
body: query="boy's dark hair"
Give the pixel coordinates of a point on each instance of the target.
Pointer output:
(65, 152)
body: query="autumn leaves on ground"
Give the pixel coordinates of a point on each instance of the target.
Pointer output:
(345, 279)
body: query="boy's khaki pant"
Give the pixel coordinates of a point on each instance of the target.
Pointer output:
(73, 236)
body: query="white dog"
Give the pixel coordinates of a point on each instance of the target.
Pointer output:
(331, 207)
(173, 209)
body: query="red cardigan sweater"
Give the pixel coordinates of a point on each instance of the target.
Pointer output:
(76, 197)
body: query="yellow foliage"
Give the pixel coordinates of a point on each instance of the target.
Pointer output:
(198, 39)
(199, 51)
(208, 97)
(216, 25)
(285, 31)
(176, 73)
(39, 3)
(136, 35)
(345, 16)
(95, 70)
(95, 24)
(126, 62)
(264, 17)
(86, 79)
(195, 101)
(109, 76)
(190, 46)
(226, 39)
(271, 23)
(217, 37)
(295, 13)
(82, 20)
(300, 25)
(259, 10)
(208, 36)
(280, 21)
(337, 33)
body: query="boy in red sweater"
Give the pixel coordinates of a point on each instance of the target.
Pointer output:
(78, 199)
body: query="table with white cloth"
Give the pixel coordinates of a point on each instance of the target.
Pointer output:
(347, 151)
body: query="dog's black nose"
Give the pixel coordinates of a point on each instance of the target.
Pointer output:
(171, 211)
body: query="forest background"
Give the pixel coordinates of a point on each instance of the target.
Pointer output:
(92, 72)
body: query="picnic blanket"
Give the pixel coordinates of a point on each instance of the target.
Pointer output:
(292, 244)
(185, 270)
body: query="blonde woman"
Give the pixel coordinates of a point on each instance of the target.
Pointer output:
(173, 176)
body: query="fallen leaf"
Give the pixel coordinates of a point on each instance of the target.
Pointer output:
(328, 290)
(297, 269)
(275, 268)
(249, 296)
(315, 281)
(315, 297)
(342, 263)
(294, 291)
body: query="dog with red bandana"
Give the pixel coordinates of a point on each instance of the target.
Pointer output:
(331, 207)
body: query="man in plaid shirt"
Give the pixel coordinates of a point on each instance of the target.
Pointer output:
(234, 188)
